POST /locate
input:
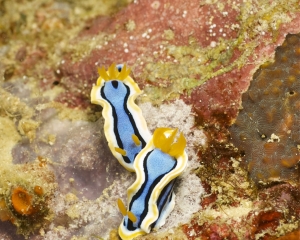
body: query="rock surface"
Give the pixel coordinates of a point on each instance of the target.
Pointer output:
(204, 53)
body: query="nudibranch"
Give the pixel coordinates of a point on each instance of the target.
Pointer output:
(150, 198)
(125, 127)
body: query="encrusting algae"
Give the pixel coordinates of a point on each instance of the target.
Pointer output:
(22, 201)
(26, 190)
(267, 130)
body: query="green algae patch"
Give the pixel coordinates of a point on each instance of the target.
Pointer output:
(38, 33)
(13, 108)
(26, 191)
(9, 137)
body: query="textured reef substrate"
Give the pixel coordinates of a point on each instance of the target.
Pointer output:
(210, 55)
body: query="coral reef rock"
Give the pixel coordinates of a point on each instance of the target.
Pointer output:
(267, 129)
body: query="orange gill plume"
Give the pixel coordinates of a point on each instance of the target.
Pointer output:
(163, 138)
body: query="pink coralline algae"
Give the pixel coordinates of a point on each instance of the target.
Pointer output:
(174, 47)
(267, 129)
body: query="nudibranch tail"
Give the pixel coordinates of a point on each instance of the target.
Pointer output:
(128, 234)
(124, 211)
(165, 204)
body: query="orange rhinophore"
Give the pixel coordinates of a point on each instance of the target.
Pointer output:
(163, 138)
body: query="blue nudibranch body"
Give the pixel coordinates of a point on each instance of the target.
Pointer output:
(125, 127)
(150, 197)
(157, 160)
